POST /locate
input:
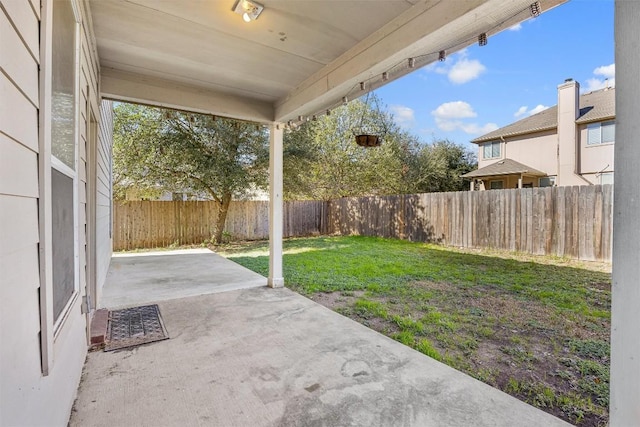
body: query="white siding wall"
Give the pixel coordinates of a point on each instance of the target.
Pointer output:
(103, 197)
(19, 267)
(27, 397)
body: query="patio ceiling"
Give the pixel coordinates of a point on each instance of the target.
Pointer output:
(297, 58)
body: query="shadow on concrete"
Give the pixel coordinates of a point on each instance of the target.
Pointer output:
(141, 278)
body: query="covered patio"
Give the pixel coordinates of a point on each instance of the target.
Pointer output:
(270, 357)
(260, 356)
(506, 173)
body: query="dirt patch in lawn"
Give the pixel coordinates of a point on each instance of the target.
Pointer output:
(553, 359)
(336, 300)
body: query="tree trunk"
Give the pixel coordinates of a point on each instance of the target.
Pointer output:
(222, 217)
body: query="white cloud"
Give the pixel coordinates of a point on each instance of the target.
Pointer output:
(525, 110)
(461, 70)
(521, 111)
(608, 71)
(474, 129)
(465, 70)
(537, 109)
(448, 118)
(448, 125)
(607, 79)
(516, 27)
(454, 110)
(403, 115)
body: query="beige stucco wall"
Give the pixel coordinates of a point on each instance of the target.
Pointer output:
(540, 152)
(535, 150)
(27, 396)
(594, 158)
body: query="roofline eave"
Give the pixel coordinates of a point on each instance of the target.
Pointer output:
(509, 135)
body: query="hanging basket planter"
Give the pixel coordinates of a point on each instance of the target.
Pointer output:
(365, 140)
(368, 132)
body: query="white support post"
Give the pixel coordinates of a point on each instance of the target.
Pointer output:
(520, 182)
(625, 316)
(276, 279)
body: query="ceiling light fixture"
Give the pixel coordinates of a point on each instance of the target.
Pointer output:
(362, 86)
(412, 62)
(385, 76)
(442, 56)
(250, 10)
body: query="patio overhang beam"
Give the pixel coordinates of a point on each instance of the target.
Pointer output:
(425, 28)
(130, 87)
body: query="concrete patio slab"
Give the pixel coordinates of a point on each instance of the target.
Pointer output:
(270, 357)
(141, 278)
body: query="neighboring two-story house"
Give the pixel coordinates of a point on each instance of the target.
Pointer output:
(568, 144)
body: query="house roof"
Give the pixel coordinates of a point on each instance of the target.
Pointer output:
(504, 167)
(594, 106)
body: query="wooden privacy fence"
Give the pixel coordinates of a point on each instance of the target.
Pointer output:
(564, 221)
(151, 224)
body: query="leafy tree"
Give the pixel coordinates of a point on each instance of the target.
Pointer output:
(187, 152)
(330, 165)
(438, 167)
(333, 166)
(221, 158)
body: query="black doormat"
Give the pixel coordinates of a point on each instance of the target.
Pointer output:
(131, 327)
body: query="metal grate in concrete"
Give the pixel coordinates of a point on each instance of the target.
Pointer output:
(134, 326)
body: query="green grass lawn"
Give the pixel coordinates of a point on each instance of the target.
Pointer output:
(535, 327)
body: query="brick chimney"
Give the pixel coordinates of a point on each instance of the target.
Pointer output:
(568, 112)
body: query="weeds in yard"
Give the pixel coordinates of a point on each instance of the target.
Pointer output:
(536, 327)
(424, 346)
(590, 348)
(366, 309)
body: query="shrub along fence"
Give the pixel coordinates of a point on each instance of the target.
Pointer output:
(564, 221)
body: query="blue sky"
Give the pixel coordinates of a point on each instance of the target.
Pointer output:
(482, 88)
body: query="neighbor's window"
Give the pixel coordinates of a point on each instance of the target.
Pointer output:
(496, 185)
(601, 133)
(547, 181)
(606, 178)
(491, 150)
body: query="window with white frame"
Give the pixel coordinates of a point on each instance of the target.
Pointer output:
(63, 158)
(601, 133)
(491, 150)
